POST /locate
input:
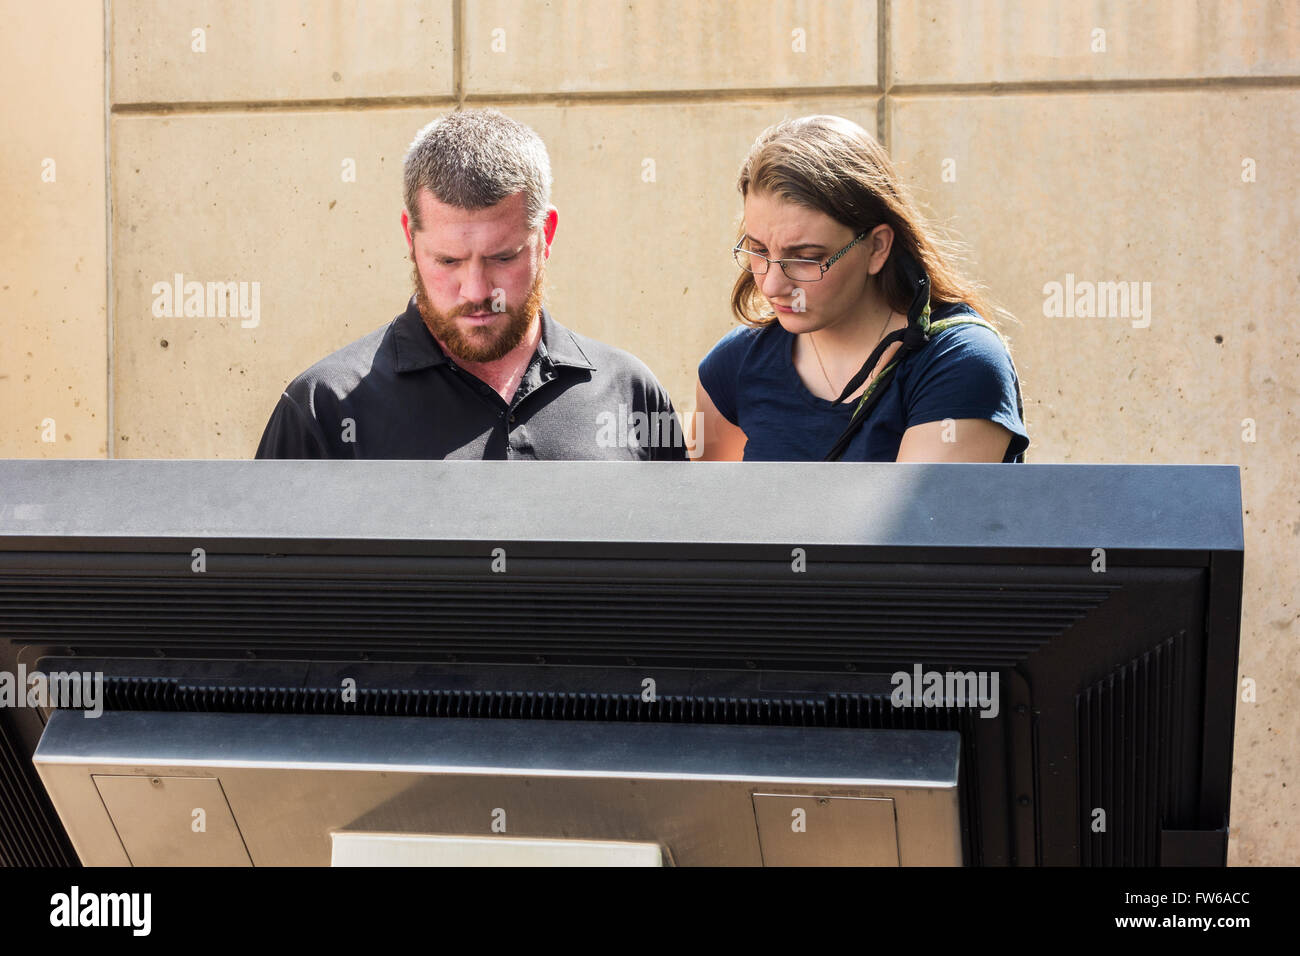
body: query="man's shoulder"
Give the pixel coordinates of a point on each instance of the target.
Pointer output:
(609, 359)
(341, 370)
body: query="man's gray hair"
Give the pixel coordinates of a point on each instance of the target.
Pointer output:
(476, 158)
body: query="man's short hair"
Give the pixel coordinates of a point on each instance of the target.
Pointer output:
(473, 159)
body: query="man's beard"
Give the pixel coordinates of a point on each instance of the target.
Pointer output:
(482, 344)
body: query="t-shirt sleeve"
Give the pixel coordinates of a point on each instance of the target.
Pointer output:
(719, 372)
(967, 373)
(292, 433)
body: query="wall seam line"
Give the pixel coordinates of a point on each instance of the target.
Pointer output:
(882, 73)
(720, 96)
(110, 419)
(1185, 84)
(458, 52)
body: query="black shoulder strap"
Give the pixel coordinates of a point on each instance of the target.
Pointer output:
(915, 337)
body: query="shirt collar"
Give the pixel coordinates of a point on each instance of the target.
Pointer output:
(416, 347)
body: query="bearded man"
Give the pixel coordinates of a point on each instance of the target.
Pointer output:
(476, 367)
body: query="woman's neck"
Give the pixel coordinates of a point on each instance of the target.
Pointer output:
(836, 353)
(855, 336)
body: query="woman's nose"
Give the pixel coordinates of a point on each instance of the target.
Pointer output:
(775, 283)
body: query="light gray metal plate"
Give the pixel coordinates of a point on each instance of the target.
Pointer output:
(293, 780)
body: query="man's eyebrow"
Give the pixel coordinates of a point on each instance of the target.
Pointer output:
(438, 253)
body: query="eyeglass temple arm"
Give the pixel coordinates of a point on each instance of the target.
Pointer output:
(831, 261)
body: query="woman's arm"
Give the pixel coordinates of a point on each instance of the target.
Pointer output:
(709, 435)
(960, 439)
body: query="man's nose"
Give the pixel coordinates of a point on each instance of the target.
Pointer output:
(475, 287)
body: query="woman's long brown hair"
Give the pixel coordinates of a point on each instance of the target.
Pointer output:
(833, 165)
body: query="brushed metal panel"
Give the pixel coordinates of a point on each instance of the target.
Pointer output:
(294, 780)
(808, 830)
(155, 817)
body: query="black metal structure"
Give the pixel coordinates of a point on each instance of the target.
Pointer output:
(757, 593)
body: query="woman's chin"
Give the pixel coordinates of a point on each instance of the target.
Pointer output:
(795, 322)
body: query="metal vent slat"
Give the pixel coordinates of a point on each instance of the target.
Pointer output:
(556, 618)
(1128, 740)
(30, 834)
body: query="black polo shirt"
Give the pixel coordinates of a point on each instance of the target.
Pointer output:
(395, 394)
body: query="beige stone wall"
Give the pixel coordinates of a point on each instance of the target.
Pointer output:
(1160, 150)
(54, 365)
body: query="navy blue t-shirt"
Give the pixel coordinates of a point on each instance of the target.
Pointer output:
(962, 372)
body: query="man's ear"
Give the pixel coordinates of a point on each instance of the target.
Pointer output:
(548, 228)
(406, 231)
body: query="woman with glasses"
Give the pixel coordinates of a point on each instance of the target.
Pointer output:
(827, 232)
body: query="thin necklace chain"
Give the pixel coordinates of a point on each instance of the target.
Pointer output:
(835, 391)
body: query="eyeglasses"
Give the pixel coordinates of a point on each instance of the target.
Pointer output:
(799, 270)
